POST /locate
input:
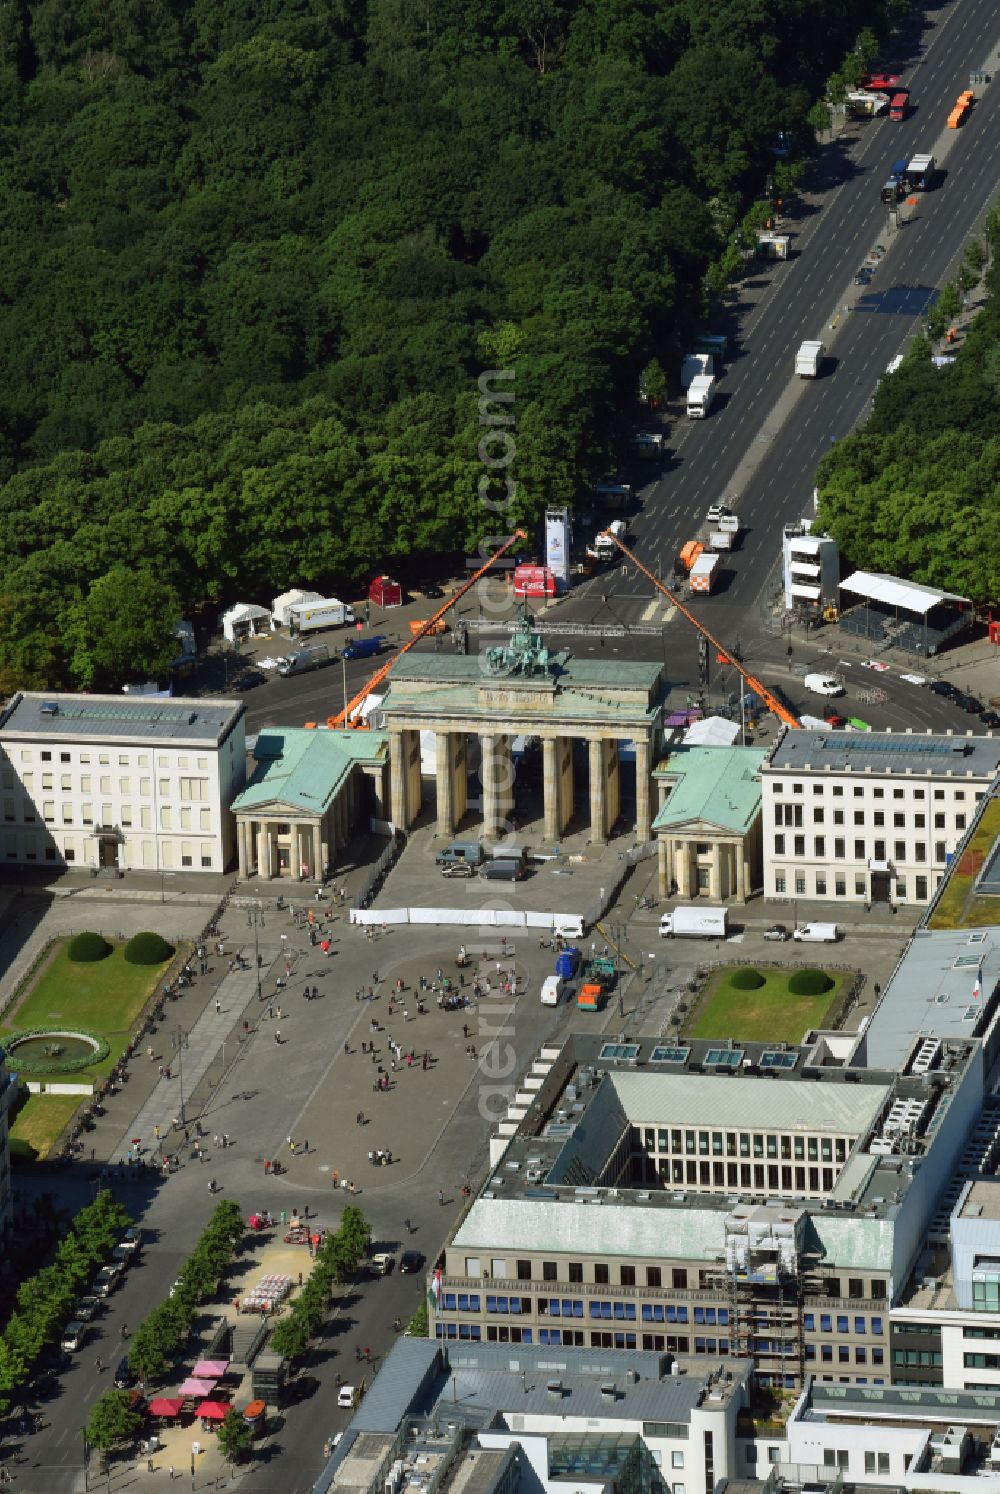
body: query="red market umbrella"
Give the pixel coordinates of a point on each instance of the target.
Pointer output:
(165, 1405)
(213, 1410)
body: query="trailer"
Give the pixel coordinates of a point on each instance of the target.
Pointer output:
(696, 366)
(919, 173)
(704, 573)
(808, 359)
(310, 617)
(695, 923)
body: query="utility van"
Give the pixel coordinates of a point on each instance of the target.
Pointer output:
(364, 648)
(313, 656)
(552, 990)
(502, 869)
(816, 933)
(461, 852)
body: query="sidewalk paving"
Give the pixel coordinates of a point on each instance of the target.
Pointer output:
(170, 1100)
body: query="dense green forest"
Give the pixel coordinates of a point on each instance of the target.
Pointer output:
(258, 252)
(916, 491)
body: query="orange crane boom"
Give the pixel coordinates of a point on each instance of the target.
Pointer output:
(344, 717)
(771, 701)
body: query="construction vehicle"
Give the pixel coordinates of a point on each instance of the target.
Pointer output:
(690, 554)
(350, 715)
(599, 977)
(722, 654)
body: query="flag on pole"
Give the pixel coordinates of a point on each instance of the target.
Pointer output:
(977, 989)
(434, 1294)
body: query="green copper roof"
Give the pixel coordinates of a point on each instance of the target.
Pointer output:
(306, 769)
(717, 784)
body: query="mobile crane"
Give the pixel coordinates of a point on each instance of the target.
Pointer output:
(349, 716)
(723, 654)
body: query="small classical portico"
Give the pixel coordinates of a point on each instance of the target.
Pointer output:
(517, 689)
(308, 791)
(708, 826)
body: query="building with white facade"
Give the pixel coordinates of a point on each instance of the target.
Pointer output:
(104, 781)
(869, 817)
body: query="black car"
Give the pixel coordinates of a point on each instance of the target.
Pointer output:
(990, 718)
(410, 1261)
(968, 703)
(429, 589)
(123, 1375)
(863, 277)
(250, 679)
(942, 687)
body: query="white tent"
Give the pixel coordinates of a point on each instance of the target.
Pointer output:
(244, 620)
(909, 596)
(282, 606)
(713, 731)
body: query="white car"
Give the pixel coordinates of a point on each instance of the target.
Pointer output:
(73, 1336)
(347, 1397)
(823, 684)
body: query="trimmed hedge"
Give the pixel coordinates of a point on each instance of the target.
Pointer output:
(746, 980)
(148, 949)
(87, 948)
(810, 983)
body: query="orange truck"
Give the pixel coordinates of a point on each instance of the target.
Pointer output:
(961, 109)
(598, 978)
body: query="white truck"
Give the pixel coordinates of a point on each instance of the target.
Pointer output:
(816, 933)
(920, 172)
(701, 393)
(694, 923)
(604, 547)
(704, 573)
(808, 359)
(310, 617)
(696, 366)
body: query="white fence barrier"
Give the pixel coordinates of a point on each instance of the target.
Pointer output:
(468, 918)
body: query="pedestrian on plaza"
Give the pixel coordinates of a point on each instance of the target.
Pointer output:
(218, 1006)
(408, 1226)
(150, 1054)
(305, 1146)
(423, 1063)
(225, 1138)
(440, 1195)
(156, 1132)
(280, 1014)
(270, 1009)
(335, 1178)
(277, 1036)
(267, 1166)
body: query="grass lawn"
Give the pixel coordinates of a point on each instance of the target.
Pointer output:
(951, 912)
(768, 1015)
(103, 997)
(40, 1122)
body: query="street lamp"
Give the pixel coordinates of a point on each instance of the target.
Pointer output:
(255, 917)
(343, 670)
(179, 1042)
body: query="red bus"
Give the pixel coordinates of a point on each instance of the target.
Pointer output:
(899, 105)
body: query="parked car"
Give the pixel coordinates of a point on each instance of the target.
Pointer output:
(86, 1308)
(943, 687)
(347, 1397)
(990, 718)
(968, 703)
(429, 589)
(106, 1281)
(121, 1258)
(73, 1337)
(410, 1261)
(832, 719)
(776, 932)
(131, 1240)
(249, 679)
(864, 275)
(381, 1263)
(123, 1375)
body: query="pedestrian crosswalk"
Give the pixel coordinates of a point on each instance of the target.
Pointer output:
(658, 610)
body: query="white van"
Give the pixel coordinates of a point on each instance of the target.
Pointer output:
(823, 684)
(816, 933)
(552, 990)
